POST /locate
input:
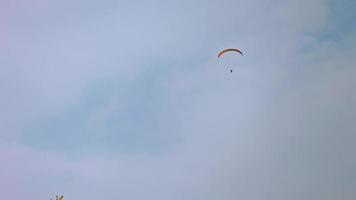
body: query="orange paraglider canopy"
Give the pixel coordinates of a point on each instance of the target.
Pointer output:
(228, 50)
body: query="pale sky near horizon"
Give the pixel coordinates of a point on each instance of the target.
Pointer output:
(128, 100)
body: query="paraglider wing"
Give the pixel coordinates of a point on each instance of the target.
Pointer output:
(228, 50)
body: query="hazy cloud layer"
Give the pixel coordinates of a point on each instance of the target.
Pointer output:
(127, 100)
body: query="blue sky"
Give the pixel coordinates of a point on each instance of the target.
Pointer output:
(127, 100)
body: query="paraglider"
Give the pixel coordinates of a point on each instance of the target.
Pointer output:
(228, 50)
(222, 52)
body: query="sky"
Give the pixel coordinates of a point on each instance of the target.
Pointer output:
(128, 100)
